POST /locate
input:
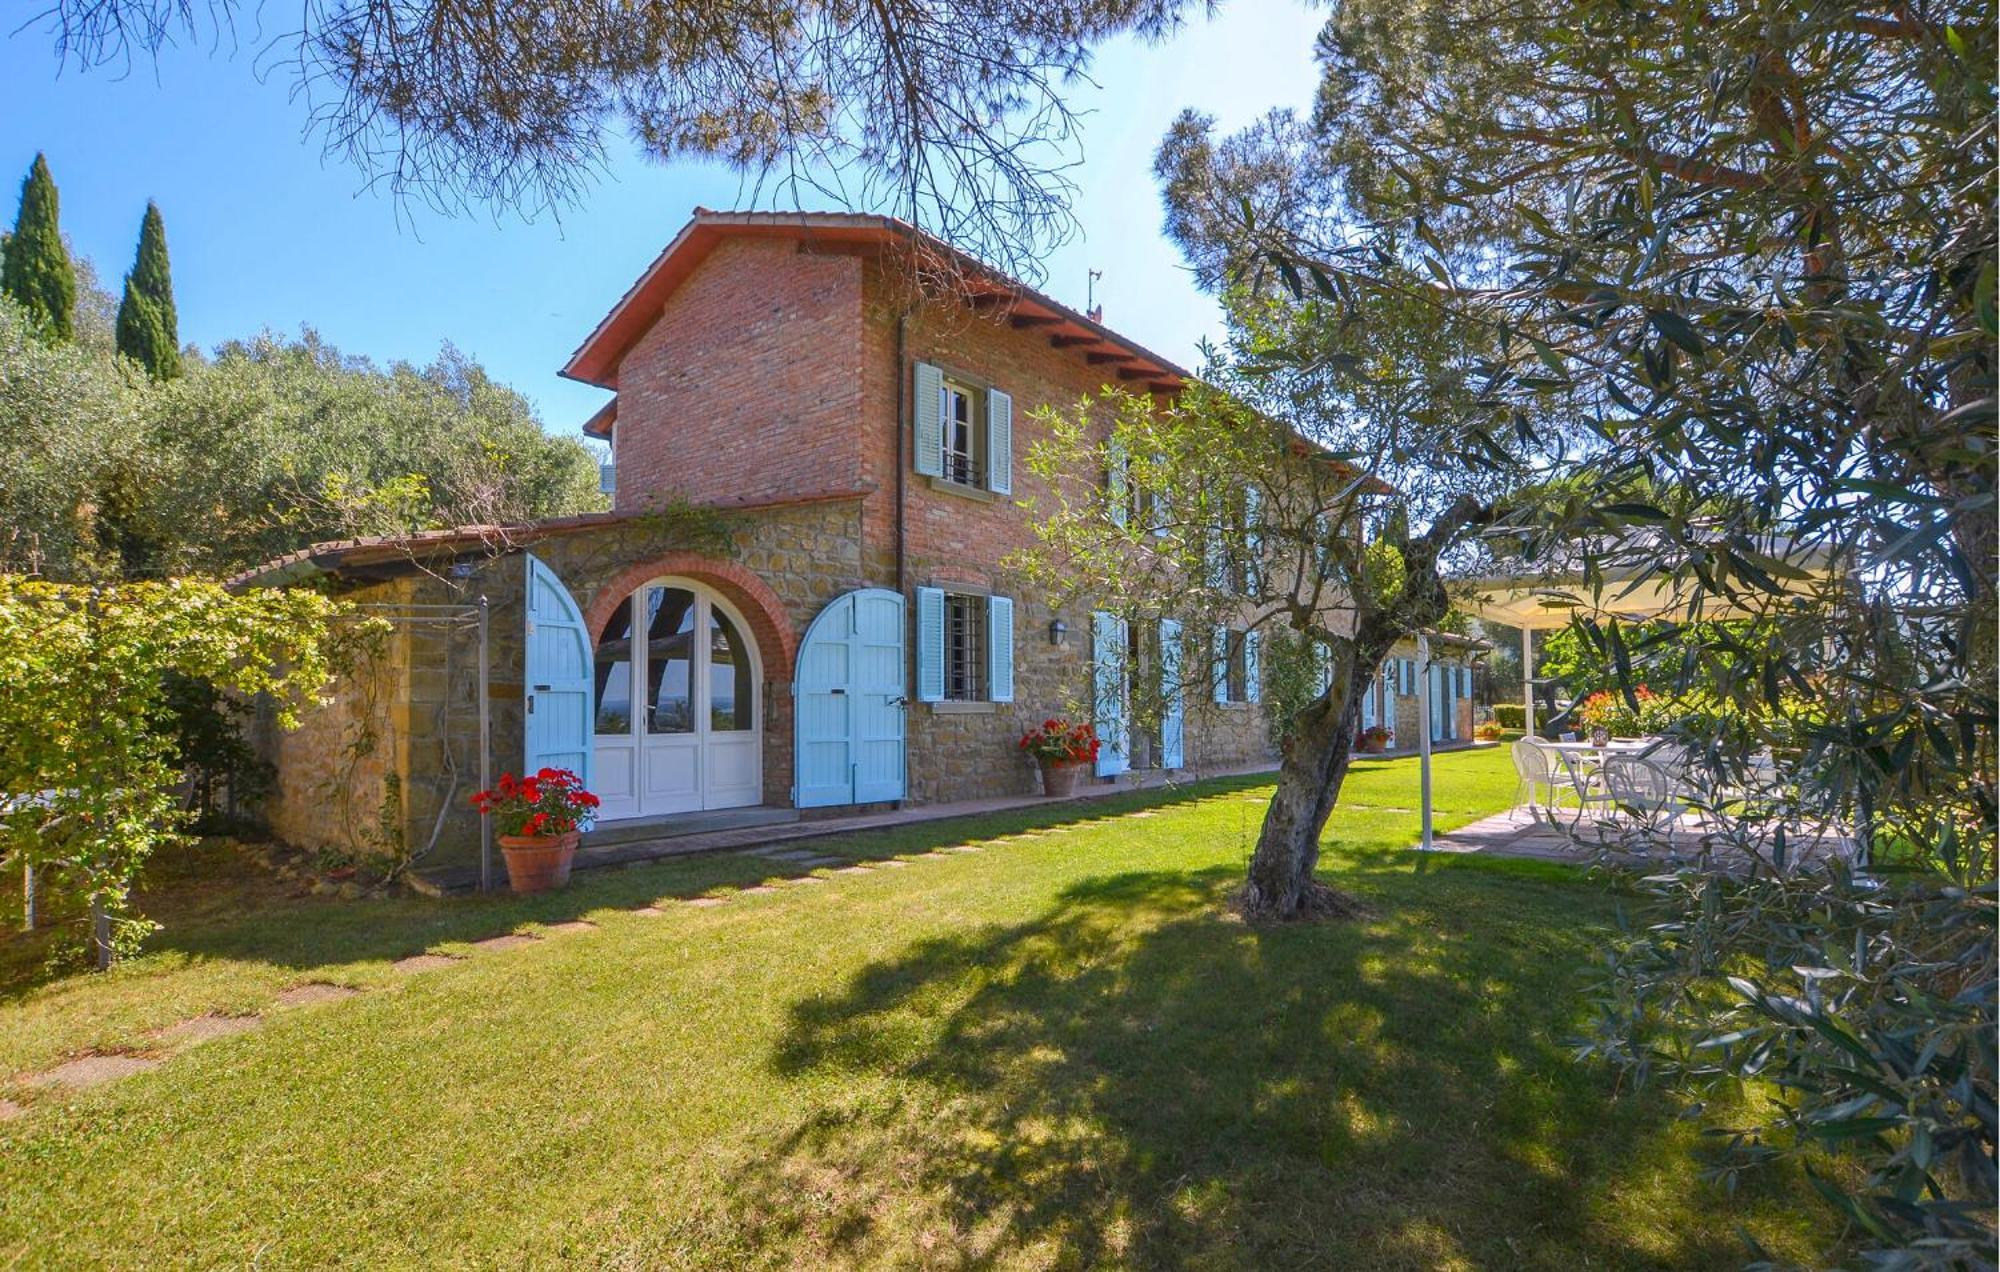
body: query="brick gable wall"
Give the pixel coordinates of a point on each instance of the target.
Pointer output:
(747, 386)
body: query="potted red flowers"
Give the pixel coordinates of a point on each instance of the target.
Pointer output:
(537, 820)
(1061, 749)
(1374, 739)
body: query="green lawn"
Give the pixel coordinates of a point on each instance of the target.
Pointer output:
(1058, 1051)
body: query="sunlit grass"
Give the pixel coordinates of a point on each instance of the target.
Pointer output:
(1061, 1050)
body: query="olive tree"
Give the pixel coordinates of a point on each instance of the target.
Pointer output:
(1751, 248)
(1313, 487)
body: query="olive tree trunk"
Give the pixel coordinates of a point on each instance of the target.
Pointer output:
(1317, 750)
(1320, 741)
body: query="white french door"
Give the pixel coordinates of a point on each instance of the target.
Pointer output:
(677, 712)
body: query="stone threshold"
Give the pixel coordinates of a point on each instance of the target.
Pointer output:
(466, 878)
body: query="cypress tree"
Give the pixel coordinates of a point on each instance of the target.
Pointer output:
(37, 272)
(148, 324)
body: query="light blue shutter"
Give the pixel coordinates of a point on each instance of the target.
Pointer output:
(1253, 691)
(1108, 640)
(1173, 713)
(1221, 667)
(561, 707)
(999, 442)
(930, 644)
(927, 432)
(1117, 481)
(1322, 669)
(1000, 647)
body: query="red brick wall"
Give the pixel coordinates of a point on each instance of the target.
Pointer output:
(747, 385)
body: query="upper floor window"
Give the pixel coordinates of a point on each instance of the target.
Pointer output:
(962, 431)
(962, 439)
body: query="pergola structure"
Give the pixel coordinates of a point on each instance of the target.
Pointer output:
(1635, 578)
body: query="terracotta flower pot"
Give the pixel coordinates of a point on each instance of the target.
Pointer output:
(1059, 777)
(537, 863)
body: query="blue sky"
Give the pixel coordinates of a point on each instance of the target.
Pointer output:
(266, 234)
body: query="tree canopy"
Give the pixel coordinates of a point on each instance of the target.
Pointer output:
(271, 444)
(952, 114)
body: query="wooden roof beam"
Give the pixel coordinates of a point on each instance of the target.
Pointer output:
(1035, 320)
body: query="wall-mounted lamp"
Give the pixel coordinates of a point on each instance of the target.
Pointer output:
(1058, 632)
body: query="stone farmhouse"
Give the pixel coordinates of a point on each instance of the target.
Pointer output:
(799, 603)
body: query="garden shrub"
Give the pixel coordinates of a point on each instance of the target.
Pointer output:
(90, 768)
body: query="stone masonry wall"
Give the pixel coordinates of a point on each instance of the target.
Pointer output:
(337, 772)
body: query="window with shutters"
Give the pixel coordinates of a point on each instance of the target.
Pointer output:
(965, 641)
(1242, 543)
(962, 445)
(1236, 667)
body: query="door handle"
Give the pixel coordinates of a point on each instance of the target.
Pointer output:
(840, 692)
(899, 701)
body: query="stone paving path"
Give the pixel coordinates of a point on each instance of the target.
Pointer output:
(87, 1071)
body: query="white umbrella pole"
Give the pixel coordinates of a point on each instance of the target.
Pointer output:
(1528, 678)
(1424, 728)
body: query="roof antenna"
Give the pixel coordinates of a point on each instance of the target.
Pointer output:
(1093, 310)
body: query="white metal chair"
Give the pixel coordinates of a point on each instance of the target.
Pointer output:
(1531, 766)
(1645, 788)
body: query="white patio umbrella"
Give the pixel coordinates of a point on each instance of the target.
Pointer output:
(1634, 579)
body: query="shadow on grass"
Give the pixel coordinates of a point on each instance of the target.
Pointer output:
(214, 904)
(1136, 1078)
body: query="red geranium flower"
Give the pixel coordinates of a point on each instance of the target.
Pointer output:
(553, 801)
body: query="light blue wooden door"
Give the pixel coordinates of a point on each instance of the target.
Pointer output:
(1173, 713)
(558, 667)
(850, 702)
(1107, 658)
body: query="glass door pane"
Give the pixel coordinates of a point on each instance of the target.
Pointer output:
(670, 627)
(732, 703)
(614, 672)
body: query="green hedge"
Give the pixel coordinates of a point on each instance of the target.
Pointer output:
(1511, 715)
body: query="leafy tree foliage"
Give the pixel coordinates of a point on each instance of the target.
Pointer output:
(149, 326)
(86, 754)
(1751, 249)
(36, 272)
(272, 444)
(951, 114)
